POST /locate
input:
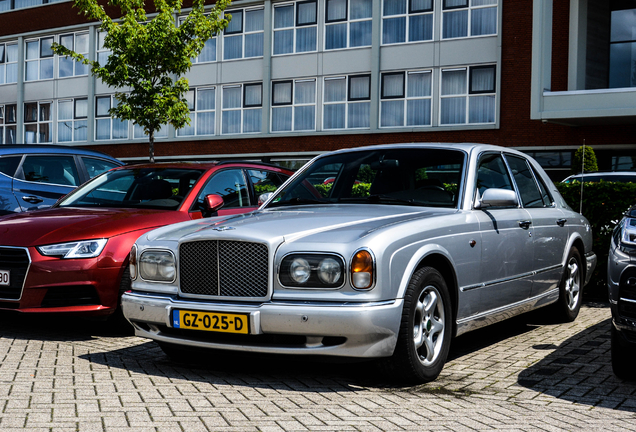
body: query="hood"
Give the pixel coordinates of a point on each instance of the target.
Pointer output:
(307, 223)
(68, 224)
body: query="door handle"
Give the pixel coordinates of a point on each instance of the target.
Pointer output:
(525, 224)
(32, 199)
(561, 222)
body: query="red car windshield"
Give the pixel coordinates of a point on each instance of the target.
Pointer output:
(160, 188)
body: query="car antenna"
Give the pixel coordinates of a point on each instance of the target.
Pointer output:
(582, 178)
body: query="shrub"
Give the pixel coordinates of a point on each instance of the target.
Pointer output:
(588, 163)
(604, 204)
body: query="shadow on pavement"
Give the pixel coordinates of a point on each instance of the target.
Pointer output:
(579, 370)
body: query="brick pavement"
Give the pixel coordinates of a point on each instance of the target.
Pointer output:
(526, 374)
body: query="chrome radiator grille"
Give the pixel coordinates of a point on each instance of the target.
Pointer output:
(16, 261)
(223, 268)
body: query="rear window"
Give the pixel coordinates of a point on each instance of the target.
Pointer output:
(9, 164)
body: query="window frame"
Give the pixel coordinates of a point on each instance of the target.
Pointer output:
(346, 101)
(243, 33)
(5, 64)
(111, 119)
(40, 59)
(75, 63)
(295, 27)
(348, 20)
(38, 122)
(406, 98)
(73, 119)
(470, 8)
(244, 106)
(293, 104)
(468, 94)
(194, 111)
(409, 12)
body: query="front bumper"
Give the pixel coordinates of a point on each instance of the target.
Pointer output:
(315, 328)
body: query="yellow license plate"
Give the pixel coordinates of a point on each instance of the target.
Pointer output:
(210, 321)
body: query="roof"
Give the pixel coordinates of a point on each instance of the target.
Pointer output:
(50, 148)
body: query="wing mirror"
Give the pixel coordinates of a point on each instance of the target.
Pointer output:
(262, 198)
(494, 197)
(211, 204)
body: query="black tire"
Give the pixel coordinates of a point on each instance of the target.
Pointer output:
(117, 318)
(425, 329)
(571, 288)
(622, 357)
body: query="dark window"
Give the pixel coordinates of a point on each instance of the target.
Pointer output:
(230, 185)
(492, 173)
(528, 189)
(51, 169)
(9, 164)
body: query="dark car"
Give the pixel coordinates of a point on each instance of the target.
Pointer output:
(621, 282)
(73, 257)
(34, 177)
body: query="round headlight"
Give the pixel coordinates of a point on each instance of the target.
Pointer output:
(329, 271)
(157, 266)
(299, 270)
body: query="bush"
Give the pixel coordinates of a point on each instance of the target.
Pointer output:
(604, 204)
(588, 163)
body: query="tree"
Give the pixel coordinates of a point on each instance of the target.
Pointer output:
(146, 55)
(585, 160)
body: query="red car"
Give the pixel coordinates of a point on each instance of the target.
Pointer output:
(73, 257)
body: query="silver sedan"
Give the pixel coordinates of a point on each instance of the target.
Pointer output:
(383, 252)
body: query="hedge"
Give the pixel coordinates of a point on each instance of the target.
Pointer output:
(604, 204)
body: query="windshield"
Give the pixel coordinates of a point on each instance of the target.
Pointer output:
(160, 188)
(424, 177)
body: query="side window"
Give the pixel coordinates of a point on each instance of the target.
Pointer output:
(51, 169)
(530, 195)
(265, 181)
(492, 173)
(231, 185)
(8, 165)
(97, 166)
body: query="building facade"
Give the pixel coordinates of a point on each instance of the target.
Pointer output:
(290, 79)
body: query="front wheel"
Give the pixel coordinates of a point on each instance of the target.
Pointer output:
(571, 288)
(425, 329)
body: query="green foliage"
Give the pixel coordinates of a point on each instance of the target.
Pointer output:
(147, 54)
(261, 189)
(366, 174)
(324, 189)
(360, 190)
(603, 205)
(588, 163)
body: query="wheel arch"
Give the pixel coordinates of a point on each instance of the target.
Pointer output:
(438, 258)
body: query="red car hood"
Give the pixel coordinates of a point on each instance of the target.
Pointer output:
(68, 224)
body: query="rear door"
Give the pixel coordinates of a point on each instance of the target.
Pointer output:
(550, 232)
(42, 179)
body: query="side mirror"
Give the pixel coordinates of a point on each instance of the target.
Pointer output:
(211, 204)
(262, 198)
(494, 197)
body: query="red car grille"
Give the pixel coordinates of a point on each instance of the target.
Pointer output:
(16, 261)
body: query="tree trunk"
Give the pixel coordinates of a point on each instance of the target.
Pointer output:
(151, 149)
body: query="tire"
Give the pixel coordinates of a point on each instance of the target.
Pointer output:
(571, 288)
(622, 357)
(425, 329)
(117, 319)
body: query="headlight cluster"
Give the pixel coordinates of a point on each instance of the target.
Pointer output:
(154, 265)
(628, 232)
(309, 270)
(78, 249)
(312, 271)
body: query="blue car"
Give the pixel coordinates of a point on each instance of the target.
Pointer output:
(34, 177)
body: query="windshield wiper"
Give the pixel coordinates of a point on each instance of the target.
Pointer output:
(299, 200)
(380, 197)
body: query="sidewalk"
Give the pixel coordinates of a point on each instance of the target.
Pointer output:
(525, 374)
